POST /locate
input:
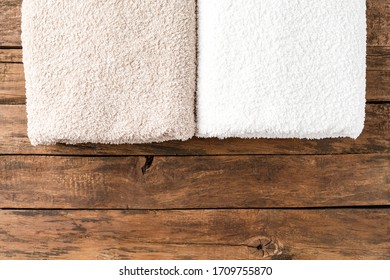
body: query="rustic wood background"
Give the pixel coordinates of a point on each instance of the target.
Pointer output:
(200, 199)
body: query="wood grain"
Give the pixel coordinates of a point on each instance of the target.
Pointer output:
(12, 84)
(374, 139)
(194, 182)
(378, 58)
(201, 234)
(11, 56)
(10, 15)
(378, 23)
(263, 173)
(377, 86)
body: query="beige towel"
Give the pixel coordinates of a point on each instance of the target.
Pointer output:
(109, 71)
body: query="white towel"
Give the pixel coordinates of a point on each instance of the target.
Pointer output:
(281, 68)
(109, 71)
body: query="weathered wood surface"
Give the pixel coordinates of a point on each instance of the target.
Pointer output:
(12, 87)
(10, 18)
(12, 84)
(377, 86)
(194, 182)
(375, 139)
(378, 22)
(378, 58)
(11, 56)
(264, 173)
(201, 234)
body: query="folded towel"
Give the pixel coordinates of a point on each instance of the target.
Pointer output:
(281, 68)
(109, 71)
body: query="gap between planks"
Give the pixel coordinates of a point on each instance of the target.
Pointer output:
(137, 210)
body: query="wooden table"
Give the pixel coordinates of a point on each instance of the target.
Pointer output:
(200, 199)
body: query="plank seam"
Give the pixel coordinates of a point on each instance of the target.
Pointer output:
(137, 210)
(187, 155)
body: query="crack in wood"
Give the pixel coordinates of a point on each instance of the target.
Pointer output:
(148, 164)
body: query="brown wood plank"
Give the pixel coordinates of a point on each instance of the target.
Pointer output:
(378, 58)
(10, 12)
(200, 234)
(374, 139)
(11, 56)
(378, 85)
(194, 182)
(378, 23)
(12, 84)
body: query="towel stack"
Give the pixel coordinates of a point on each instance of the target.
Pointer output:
(118, 71)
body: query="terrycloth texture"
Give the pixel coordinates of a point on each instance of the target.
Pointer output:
(281, 68)
(109, 71)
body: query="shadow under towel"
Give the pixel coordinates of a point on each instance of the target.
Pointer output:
(281, 68)
(109, 71)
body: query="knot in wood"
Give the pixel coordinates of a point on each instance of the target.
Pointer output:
(264, 247)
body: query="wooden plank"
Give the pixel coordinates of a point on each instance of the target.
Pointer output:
(378, 86)
(10, 14)
(378, 23)
(374, 139)
(194, 182)
(12, 84)
(200, 234)
(11, 56)
(378, 58)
